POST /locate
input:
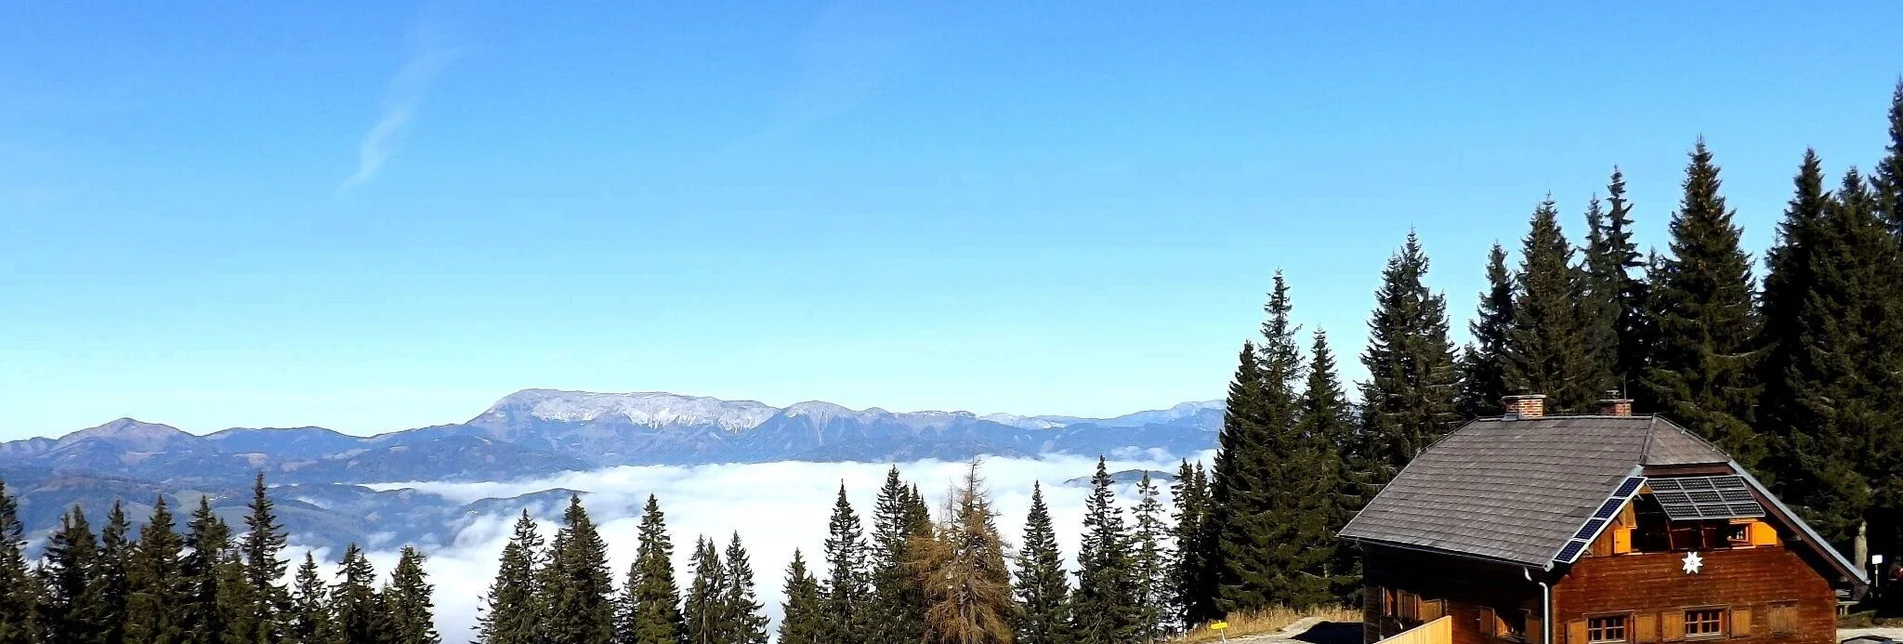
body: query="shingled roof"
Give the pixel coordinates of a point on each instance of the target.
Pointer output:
(1517, 490)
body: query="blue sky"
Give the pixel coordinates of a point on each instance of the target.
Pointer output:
(373, 216)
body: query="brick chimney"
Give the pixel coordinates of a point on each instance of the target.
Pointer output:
(1614, 405)
(1524, 407)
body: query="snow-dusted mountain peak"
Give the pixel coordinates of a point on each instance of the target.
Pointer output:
(651, 409)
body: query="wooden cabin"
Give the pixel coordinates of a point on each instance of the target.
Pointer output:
(1591, 529)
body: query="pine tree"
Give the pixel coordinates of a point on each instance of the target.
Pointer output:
(1483, 379)
(1612, 304)
(849, 588)
(355, 608)
(262, 544)
(409, 615)
(1886, 518)
(1104, 604)
(16, 582)
(803, 620)
(1327, 417)
(578, 589)
(112, 586)
(1150, 564)
(157, 591)
(1407, 402)
(746, 625)
(962, 569)
(897, 600)
(1042, 589)
(514, 607)
(1703, 367)
(652, 609)
(308, 621)
(208, 541)
(704, 612)
(1190, 495)
(1787, 284)
(70, 613)
(1546, 350)
(1888, 179)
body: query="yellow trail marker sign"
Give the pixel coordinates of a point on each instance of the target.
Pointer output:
(1219, 626)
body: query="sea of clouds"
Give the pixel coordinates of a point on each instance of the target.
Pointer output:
(775, 507)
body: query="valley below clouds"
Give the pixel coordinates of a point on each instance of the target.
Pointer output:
(776, 507)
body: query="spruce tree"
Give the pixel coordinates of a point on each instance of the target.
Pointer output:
(1483, 380)
(208, 541)
(967, 586)
(1408, 400)
(69, 612)
(897, 601)
(1190, 495)
(355, 607)
(409, 615)
(849, 586)
(157, 590)
(1787, 284)
(1325, 414)
(1150, 563)
(1887, 184)
(1703, 370)
(1546, 346)
(652, 609)
(577, 585)
(308, 619)
(705, 614)
(1104, 604)
(17, 590)
(1612, 303)
(803, 619)
(746, 624)
(514, 606)
(1043, 592)
(112, 586)
(1252, 468)
(262, 546)
(1888, 179)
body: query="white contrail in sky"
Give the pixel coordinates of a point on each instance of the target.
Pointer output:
(400, 101)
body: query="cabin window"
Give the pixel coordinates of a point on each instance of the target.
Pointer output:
(1611, 628)
(1704, 622)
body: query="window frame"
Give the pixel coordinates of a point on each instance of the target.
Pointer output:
(1596, 631)
(1720, 615)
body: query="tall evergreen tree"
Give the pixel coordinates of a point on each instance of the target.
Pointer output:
(898, 602)
(1613, 301)
(112, 585)
(962, 569)
(652, 609)
(1546, 350)
(578, 589)
(1190, 495)
(70, 611)
(849, 588)
(1150, 563)
(1408, 400)
(1703, 370)
(262, 546)
(1483, 379)
(1888, 179)
(157, 595)
(16, 582)
(308, 621)
(515, 606)
(1104, 604)
(747, 625)
(354, 604)
(704, 612)
(1887, 517)
(803, 619)
(208, 542)
(1327, 417)
(1787, 284)
(1043, 591)
(409, 615)
(1251, 470)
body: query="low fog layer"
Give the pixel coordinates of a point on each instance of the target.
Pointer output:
(775, 507)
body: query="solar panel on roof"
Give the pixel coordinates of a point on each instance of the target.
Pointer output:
(1588, 530)
(1630, 485)
(1609, 508)
(1691, 498)
(1570, 553)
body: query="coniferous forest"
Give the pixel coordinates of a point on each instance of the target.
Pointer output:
(1794, 365)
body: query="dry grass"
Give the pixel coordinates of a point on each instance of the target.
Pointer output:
(1270, 620)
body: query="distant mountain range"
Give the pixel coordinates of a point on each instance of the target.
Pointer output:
(531, 434)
